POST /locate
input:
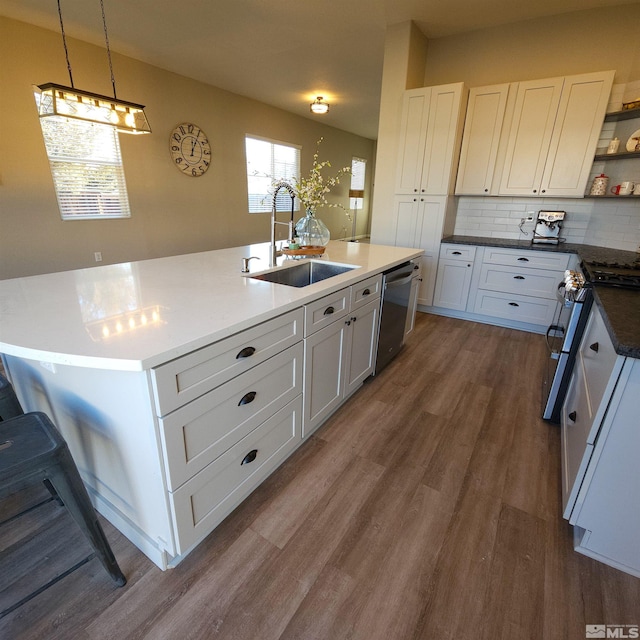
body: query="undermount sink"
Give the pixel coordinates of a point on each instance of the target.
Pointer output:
(304, 274)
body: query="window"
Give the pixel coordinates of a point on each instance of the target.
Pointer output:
(268, 160)
(86, 167)
(358, 170)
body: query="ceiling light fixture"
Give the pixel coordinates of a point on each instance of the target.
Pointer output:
(318, 106)
(57, 100)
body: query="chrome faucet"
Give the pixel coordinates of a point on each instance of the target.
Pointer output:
(274, 253)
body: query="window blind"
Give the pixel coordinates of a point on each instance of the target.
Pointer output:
(269, 161)
(86, 167)
(358, 171)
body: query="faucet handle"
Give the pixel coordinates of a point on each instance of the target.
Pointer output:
(245, 263)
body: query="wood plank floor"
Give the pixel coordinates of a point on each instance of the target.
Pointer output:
(428, 507)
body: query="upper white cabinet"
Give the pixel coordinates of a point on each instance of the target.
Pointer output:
(429, 134)
(553, 135)
(482, 129)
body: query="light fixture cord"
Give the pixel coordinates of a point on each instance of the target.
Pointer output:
(64, 42)
(106, 39)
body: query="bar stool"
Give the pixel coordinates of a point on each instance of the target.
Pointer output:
(32, 451)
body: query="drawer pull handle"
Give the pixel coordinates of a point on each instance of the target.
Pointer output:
(246, 352)
(250, 457)
(514, 304)
(328, 311)
(366, 292)
(247, 398)
(594, 347)
(572, 416)
(348, 323)
(523, 259)
(518, 277)
(456, 253)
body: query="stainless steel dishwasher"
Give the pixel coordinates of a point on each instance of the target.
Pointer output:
(396, 289)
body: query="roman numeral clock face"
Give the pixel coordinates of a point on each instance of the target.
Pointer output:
(190, 149)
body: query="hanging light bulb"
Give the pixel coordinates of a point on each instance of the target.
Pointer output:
(58, 100)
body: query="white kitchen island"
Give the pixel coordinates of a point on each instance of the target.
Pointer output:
(178, 382)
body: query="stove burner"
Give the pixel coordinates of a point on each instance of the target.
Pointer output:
(613, 274)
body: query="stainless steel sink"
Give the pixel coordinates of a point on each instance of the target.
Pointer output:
(304, 274)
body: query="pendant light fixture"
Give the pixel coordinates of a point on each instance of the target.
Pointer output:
(319, 106)
(58, 100)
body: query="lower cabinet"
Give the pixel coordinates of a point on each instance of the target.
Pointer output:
(509, 287)
(211, 495)
(600, 451)
(337, 360)
(454, 276)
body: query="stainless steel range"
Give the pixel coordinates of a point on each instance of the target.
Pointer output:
(563, 339)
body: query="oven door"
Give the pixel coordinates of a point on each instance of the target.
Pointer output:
(563, 339)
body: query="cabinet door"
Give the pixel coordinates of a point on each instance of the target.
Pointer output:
(324, 354)
(413, 132)
(482, 129)
(361, 345)
(443, 130)
(576, 133)
(452, 284)
(530, 136)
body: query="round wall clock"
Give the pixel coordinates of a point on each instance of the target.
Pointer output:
(190, 149)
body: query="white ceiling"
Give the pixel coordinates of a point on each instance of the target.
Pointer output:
(281, 52)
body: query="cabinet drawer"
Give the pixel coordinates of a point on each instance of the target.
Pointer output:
(191, 376)
(457, 252)
(323, 312)
(598, 358)
(538, 311)
(523, 258)
(539, 283)
(196, 434)
(365, 291)
(203, 502)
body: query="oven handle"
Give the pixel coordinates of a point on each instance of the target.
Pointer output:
(552, 327)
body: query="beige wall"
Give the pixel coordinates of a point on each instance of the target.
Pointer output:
(580, 42)
(171, 213)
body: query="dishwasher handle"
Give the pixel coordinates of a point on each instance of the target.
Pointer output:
(399, 282)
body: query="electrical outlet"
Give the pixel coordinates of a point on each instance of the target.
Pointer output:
(98, 256)
(529, 216)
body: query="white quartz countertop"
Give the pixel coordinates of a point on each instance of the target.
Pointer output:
(137, 315)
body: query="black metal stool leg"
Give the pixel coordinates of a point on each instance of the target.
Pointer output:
(68, 484)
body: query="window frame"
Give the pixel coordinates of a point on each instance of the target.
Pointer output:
(262, 201)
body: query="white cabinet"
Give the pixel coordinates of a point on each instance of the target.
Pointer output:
(585, 405)
(420, 221)
(339, 356)
(454, 276)
(429, 134)
(600, 451)
(553, 135)
(482, 129)
(519, 286)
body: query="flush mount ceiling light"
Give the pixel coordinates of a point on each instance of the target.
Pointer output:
(318, 106)
(57, 100)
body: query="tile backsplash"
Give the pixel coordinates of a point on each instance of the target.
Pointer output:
(611, 222)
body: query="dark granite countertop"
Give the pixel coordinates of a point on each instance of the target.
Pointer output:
(620, 307)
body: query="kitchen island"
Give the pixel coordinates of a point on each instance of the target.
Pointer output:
(178, 382)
